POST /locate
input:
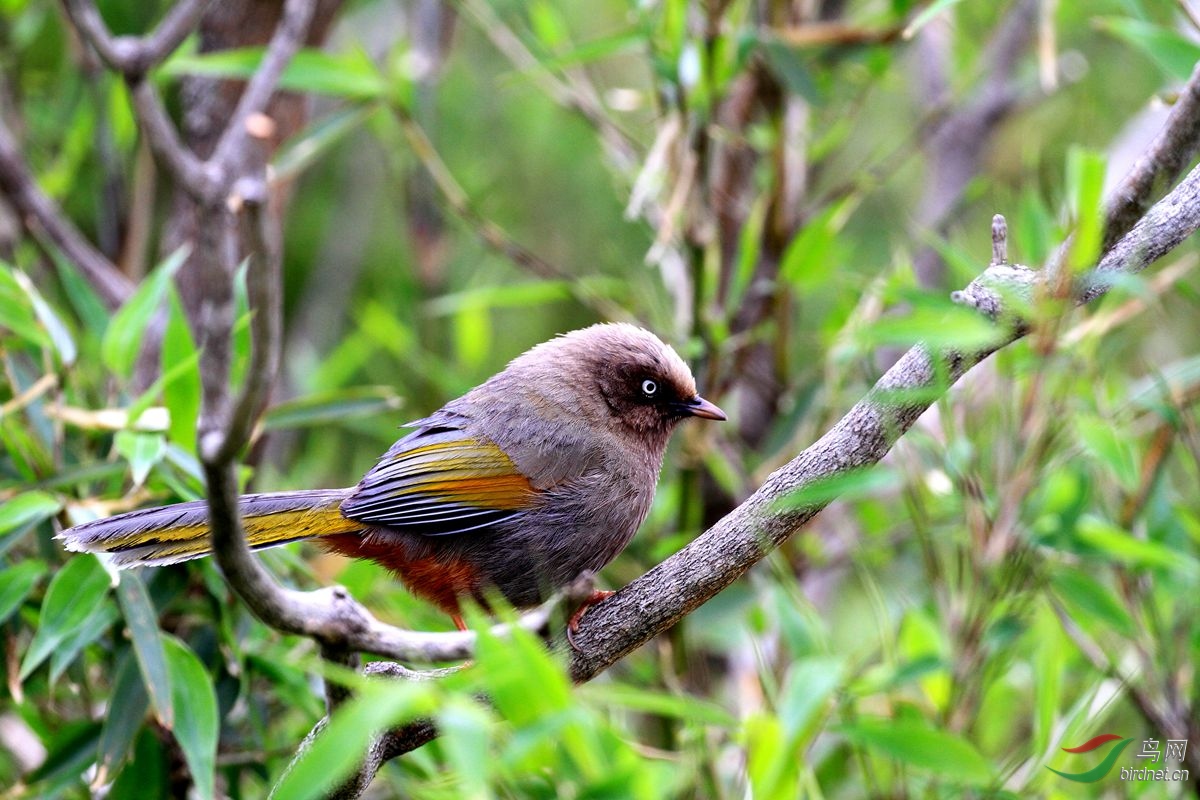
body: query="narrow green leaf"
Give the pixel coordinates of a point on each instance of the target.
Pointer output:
(128, 702)
(351, 75)
(1104, 443)
(142, 619)
(337, 749)
(126, 331)
(807, 688)
(16, 583)
(1123, 546)
(181, 392)
(1085, 594)
(465, 731)
(928, 15)
(55, 329)
(146, 773)
(684, 707)
(72, 596)
(194, 704)
(848, 485)
(913, 743)
(302, 151)
(16, 312)
(98, 623)
(1174, 53)
(329, 408)
(141, 450)
(27, 508)
(1085, 177)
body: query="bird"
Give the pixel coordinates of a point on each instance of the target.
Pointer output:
(535, 477)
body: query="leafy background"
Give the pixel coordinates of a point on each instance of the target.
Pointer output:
(1020, 575)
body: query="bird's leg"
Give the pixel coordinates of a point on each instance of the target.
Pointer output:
(597, 596)
(457, 619)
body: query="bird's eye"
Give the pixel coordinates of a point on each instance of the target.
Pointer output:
(649, 387)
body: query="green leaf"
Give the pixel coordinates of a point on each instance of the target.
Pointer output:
(338, 748)
(465, 731)
(809, 684)
(1085, 178)
(98, 623)
(181, 374)
(120, 729)
(59, 335)
(330, 408)
(146, 774)
(1104, 442)
(849, 485)
(73, 595)
(1123, 546)
(26, 509)
(771, 764)
(16, 312)
(194, 704)
(928, 15)
(142, 619)
(141, 450)
(351, 75)
(1085, 594)
(1175, 54)
(918, 745)
(126, 331)
(595, 50)
(70, 751)
(300, 152)
(791, 71)
(684, 707)
(815, 252)
(16, 583)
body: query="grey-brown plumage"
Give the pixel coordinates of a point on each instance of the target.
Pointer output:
(542, 472)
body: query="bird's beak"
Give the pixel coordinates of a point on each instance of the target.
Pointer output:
(699, 407)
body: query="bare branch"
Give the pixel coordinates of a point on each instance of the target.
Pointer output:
(44, 221)
(288, 37)
(135, 56)
(196, 177)
(264, 281)
(1166, 157)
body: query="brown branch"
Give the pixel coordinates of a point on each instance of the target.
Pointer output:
(131, 55)
(47, 224)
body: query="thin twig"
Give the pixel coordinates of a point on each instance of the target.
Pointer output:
(130, 55)
(46, 223)
(193, 175)
(286, 40)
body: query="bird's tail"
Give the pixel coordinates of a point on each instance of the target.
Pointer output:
(170, 534)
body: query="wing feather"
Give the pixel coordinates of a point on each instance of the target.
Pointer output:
(439, 481)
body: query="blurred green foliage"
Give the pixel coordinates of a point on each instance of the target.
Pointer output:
(1019, 576)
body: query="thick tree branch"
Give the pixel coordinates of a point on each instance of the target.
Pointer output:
(46, 223)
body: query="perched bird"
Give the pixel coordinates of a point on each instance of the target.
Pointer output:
(517, 487)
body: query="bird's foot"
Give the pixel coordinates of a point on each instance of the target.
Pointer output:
(597, 596)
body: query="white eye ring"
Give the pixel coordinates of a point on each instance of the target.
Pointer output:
(649, 387)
